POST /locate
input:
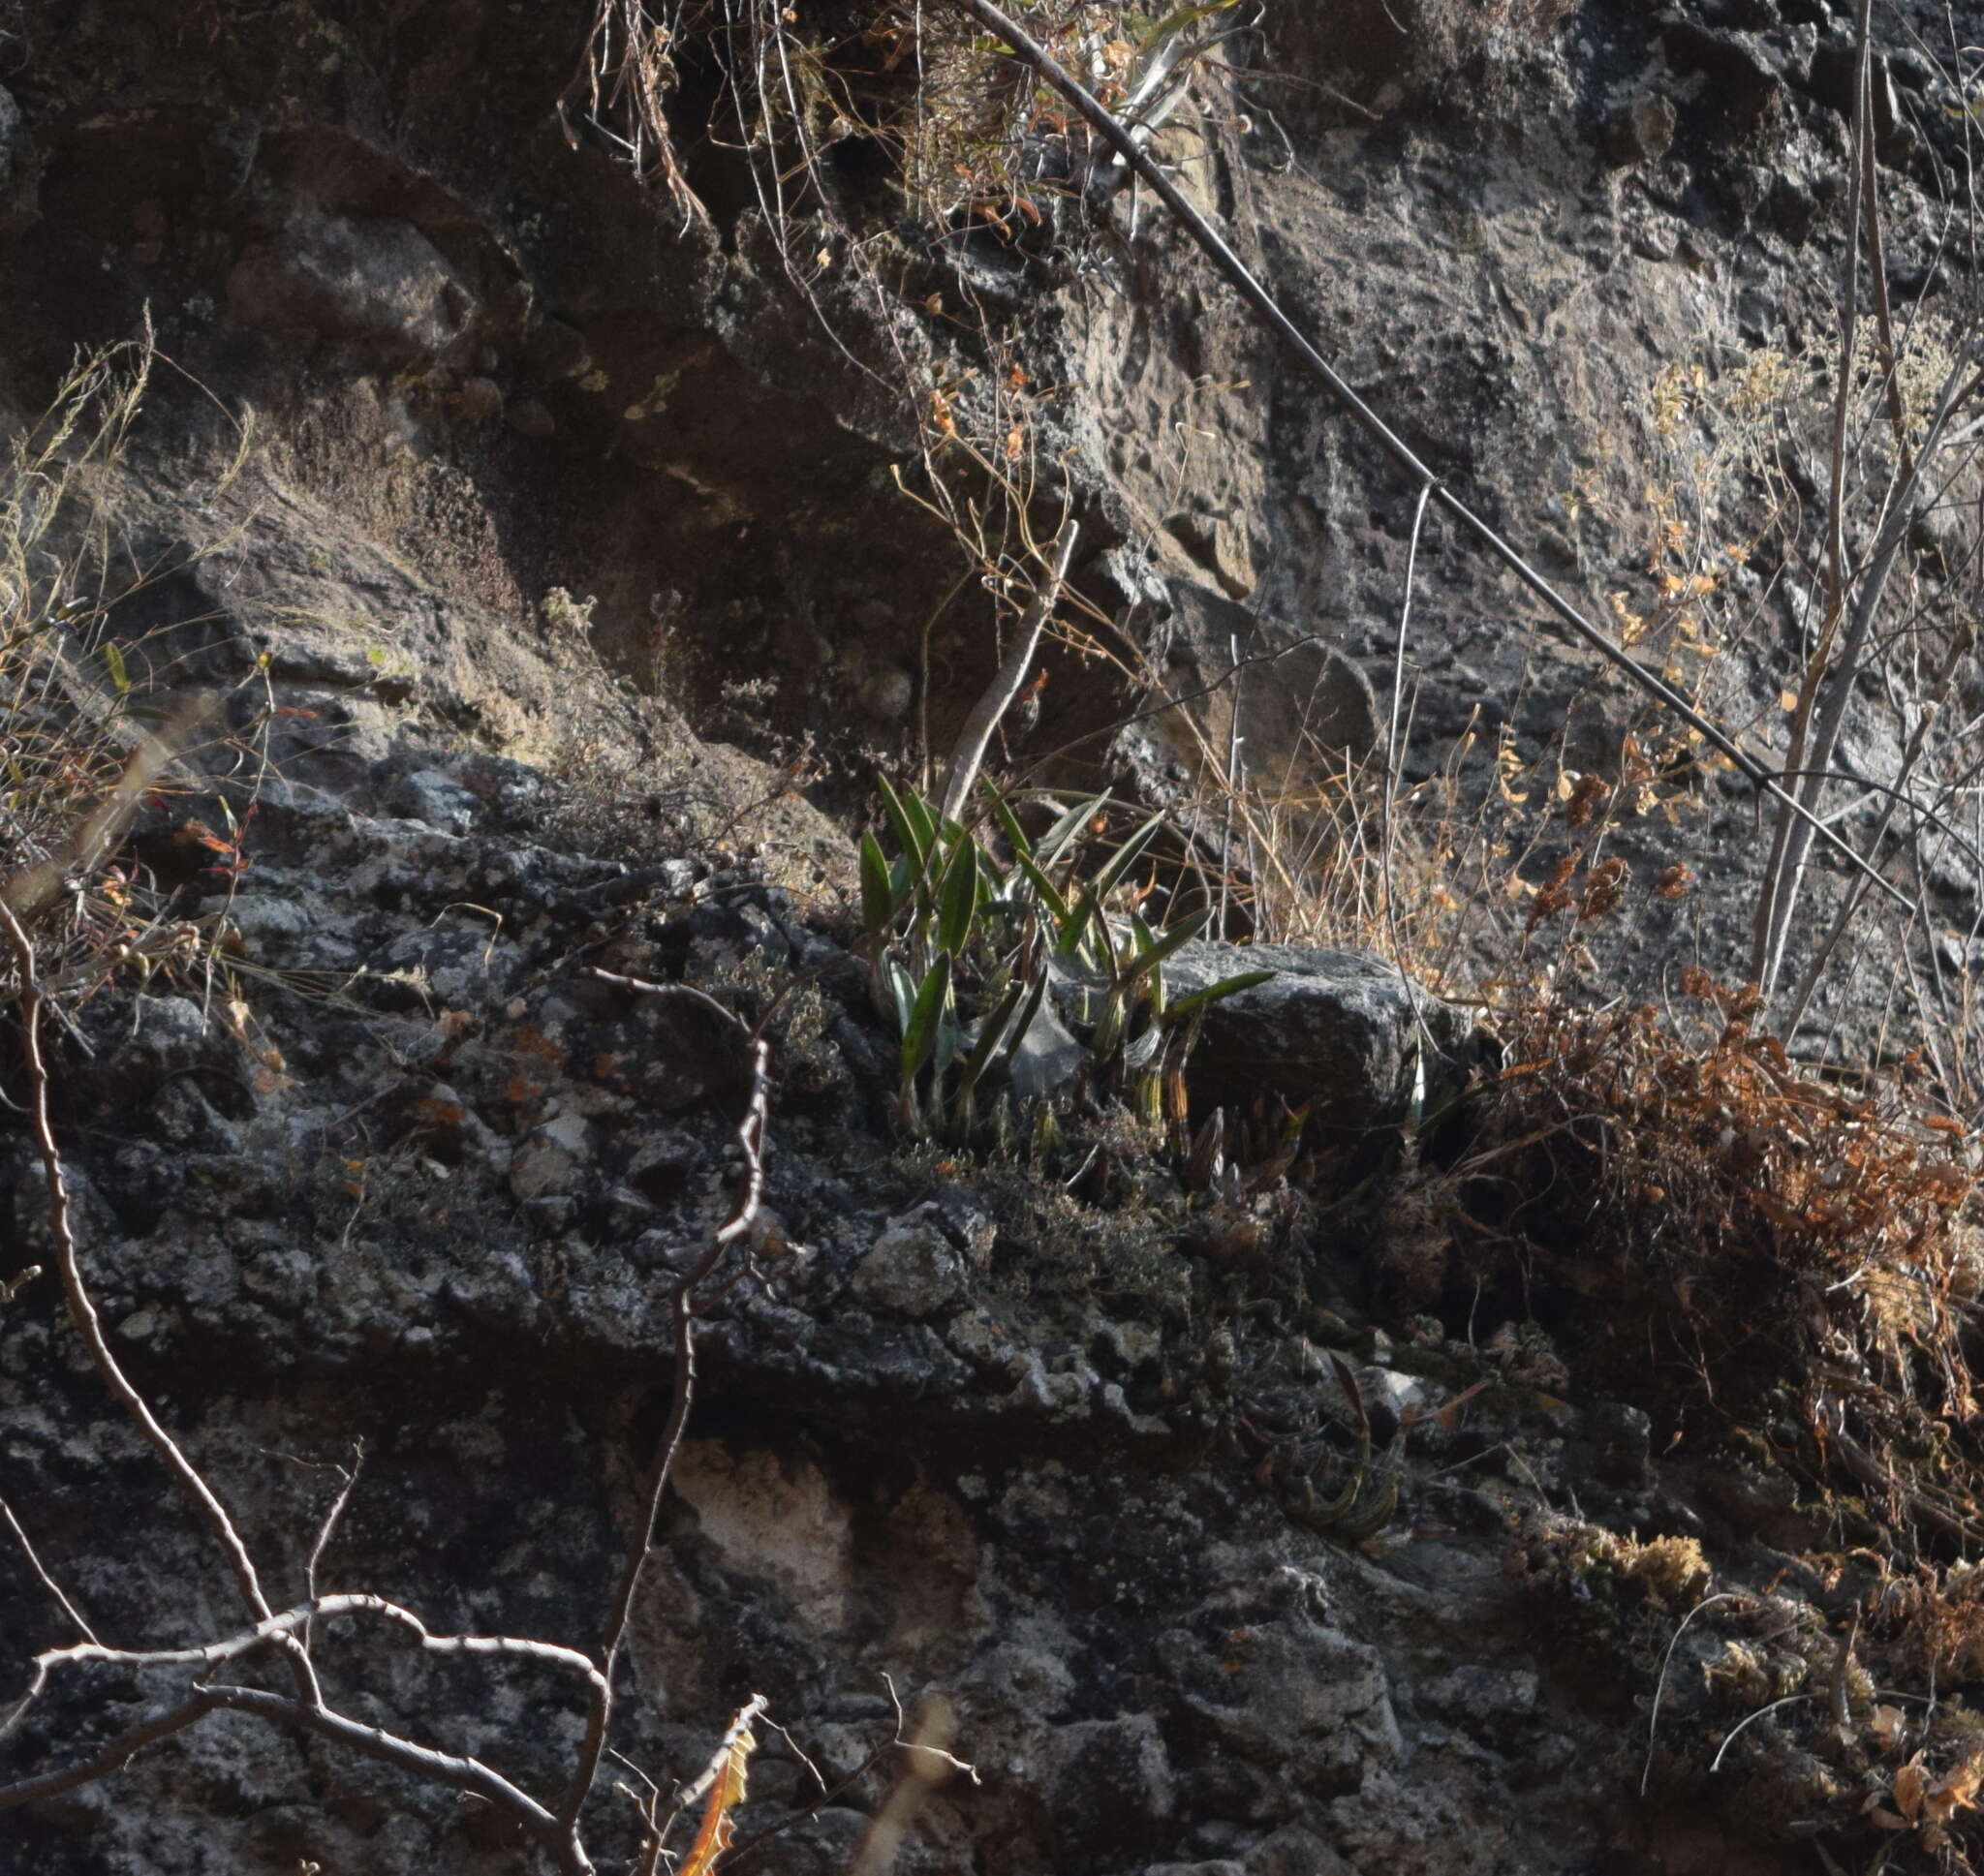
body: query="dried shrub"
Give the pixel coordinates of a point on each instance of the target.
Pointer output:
(825, 99)
(1752, 1235)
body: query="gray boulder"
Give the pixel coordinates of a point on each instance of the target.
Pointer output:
(375, 283)
(1342, 1028)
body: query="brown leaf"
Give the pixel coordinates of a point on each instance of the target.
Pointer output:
(1954, 1790)
(1911, 1783)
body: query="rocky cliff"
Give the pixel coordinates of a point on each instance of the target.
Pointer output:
(530, 562)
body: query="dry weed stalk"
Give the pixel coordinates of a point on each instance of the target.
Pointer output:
(93, 734)
(621, 87)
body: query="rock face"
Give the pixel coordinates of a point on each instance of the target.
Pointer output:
(493, 704)
(952, 1431)
(379, 285)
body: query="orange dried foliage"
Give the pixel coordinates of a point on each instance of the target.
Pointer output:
(1765, 1222)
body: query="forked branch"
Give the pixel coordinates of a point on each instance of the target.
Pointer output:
(306, 1710)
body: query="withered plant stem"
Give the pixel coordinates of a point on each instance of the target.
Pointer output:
(307, 1709)
(83, 1310)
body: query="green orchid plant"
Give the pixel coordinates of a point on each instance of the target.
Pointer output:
(964, 950)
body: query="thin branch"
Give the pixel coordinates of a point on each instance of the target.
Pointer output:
(1235, 783)
(919, 1749)
(68, 1778)
(278, 1628)
(1775, 896)
(1789, 1699)
(373, 1742)
(1660, 1685)
(1876, 268)
(1829, 688)
(47, 1581)
(425, 1762)
(83, 1310)
(968, 755)
(328, 1528)
(751, 1134)
(1961, 644)
(1264, 305)
(1389, 837)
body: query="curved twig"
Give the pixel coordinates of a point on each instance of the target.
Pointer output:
(48, 1582)
(1666, 1660)
(751, 1132)
(83, 1310)
(1750, 1719)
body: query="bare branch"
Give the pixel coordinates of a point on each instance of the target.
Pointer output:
(751, 1133)
(968, 753)
(328, 1528)
(47, 1581)
(279, 1628)
(370, 1741)
(1829, 688)
(426, 1762)
(100, 1765)
(83, 1310)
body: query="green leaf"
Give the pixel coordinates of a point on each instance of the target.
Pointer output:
(1049, 848)
(1009, 821)
(1166, 947)
(878, 893)
(915, 851)
(948, 1030)
(1203, 1000)
(991, 1033)
(1044, 889)
(919, 1033)
(902, 994)
(1003, 1032)
(1125, 855)
(927, 831)
(114, 658)
(1068, 942)
(1036, 992)
(1048, 893)
(959, 902)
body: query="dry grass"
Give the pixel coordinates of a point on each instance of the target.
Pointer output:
(79, 755)
(91, 732)
(964, 129)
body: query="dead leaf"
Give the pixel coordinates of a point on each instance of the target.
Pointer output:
(725, 1782)
(1911, 1783)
